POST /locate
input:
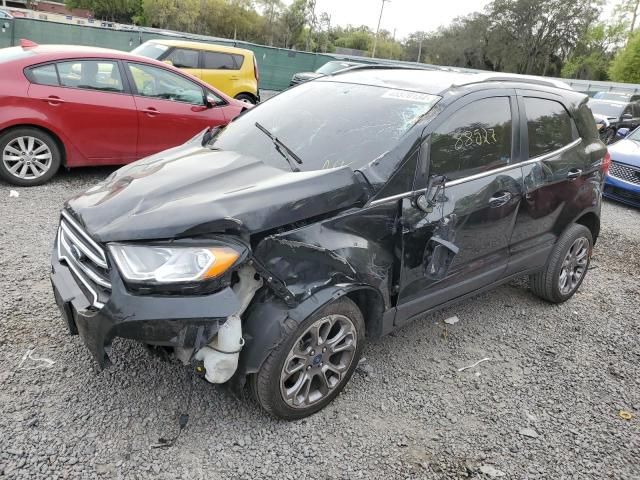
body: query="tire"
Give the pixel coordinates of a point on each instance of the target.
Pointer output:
(28, 157)
(271, 382)
(548, 284)
(247, 98)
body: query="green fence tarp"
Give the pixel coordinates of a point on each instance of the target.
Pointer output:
(277, 65)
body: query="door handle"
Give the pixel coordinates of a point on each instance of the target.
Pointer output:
(574, 173)
(499, 199)
(53, 100)
(152, 112)
(235, 78)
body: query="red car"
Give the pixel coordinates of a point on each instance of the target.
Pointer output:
(79, 106)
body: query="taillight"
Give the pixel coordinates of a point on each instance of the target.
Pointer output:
(255, 69)
(606, 163)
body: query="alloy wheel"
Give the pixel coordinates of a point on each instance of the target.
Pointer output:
(27, 157)
(318, 361)
(574, 266)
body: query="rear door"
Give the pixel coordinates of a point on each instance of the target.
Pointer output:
(222, 71)
(476, 148)
(89, 101)
(171, 108)
(555, 176)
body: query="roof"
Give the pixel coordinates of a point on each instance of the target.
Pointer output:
(430, 81)
(201, 46)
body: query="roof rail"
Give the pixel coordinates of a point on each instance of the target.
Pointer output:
(379, 66)
(513, 78)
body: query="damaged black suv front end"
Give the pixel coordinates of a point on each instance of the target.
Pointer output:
(99, 304)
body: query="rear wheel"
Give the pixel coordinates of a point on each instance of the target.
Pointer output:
(246, 98)
(29, 157)
(313, 364)
(566, 267)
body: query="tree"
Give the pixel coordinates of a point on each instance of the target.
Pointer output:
(591, 57)
(626, 66)
(114, 10)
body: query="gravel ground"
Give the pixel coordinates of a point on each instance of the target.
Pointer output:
(546, 405)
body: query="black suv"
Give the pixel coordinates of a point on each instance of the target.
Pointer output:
(341, 209)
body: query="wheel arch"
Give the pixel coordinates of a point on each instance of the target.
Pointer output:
(592, 222)
(54, 135)
(263, 326)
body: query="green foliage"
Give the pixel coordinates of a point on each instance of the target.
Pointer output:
(539, 37)
(626, 66)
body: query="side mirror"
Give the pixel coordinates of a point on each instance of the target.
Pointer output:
(168, 62)
(210, 135)
(427, 200)
(210, 101)
(627, 116)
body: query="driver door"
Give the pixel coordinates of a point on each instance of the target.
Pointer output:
(171, 108)
(462, 245)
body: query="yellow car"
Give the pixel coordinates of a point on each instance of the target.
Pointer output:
(232, 70)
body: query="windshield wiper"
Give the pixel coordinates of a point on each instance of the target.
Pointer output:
(288, 154)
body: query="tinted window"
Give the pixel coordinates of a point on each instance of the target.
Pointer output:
(474, 139)
(183, 58)
(92, 74)
(160, 83)
(44, 75)
(220, 61)
(549, 126)
(328, 124)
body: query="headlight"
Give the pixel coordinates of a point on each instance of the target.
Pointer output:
(172, 264)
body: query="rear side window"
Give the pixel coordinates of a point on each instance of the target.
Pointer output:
(474, 139)
(222, 61)
(91, 74)
(549, 126)
(44, 75)
(183, 58)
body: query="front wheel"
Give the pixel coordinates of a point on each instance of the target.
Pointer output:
(566, 267)
(313, 363)
(29, 157)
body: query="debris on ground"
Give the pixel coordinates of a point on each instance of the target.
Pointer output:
(529, 432)
(452, 320)
(474, 365)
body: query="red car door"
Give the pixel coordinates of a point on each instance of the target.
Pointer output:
(171, 108)
(90, 104)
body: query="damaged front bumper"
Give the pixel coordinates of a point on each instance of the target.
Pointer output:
(188, 322)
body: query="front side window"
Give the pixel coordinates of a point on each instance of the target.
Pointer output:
(549, 126)
(475, 139)
(162, 84)
(183, 58)
(91, 74)
(44, 75)
(220, 61)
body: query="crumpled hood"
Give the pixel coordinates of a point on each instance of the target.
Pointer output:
(625, 151)
(191, 190)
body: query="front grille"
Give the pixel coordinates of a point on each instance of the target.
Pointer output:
(86, 259)
(624, 172)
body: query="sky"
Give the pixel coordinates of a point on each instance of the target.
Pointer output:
(405, 16)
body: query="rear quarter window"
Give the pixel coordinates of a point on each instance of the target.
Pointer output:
(586, 123)
(222, 61)
(549, 126)
(44, 75)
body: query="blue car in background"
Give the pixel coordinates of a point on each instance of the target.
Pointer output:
(623, 181)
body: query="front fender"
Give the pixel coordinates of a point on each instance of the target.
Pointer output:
(264, 323)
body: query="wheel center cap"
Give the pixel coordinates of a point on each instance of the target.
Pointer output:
(317, 359)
